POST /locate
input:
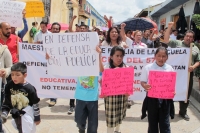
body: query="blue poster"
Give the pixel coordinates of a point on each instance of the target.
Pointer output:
(87, 88)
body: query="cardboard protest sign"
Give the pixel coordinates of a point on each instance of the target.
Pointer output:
(11, 12)
(34, 9)
(162, 84)
(72, 54)
(117, 81)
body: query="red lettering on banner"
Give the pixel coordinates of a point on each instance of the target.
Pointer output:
(134, 60)
(136, 81)
(150, 60)
(137, 60)
(57, 80)
(129, 60)
(137, 89)
(105, 59)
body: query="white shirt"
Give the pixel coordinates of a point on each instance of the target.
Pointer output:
(104, 43)
(129, 42)
(172, 37)
(38, 36)
(153, 66)
(132, 44)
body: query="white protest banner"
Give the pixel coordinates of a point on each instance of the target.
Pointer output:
(72, 54)
(47, 86)
(11, 12)
(138, 58)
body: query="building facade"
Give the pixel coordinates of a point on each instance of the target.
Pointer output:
(96, 19)
(168, 11)
(89, 16)
(146, 12)
(58, 11)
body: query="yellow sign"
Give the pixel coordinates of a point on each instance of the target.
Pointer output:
(28, 0)
(34, 9)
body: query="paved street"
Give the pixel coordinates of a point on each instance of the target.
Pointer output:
(56, 120)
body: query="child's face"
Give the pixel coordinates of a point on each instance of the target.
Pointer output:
(117, 58)
(161, 58)
(18, 77)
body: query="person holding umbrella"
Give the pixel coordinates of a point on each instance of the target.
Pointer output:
(137, 36)
(135, 44)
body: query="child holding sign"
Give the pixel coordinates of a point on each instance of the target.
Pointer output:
(86, 96)
(158, 110)
(115, 106)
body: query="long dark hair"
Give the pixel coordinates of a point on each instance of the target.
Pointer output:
(113, 50)
(108, 39)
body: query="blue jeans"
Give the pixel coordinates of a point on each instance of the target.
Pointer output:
(87, 110)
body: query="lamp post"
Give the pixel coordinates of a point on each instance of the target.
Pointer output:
(69, 6)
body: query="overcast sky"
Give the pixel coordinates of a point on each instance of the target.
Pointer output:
(121, 9)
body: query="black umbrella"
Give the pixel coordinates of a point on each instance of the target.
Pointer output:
(181, 24)
(138, 24)
(192, 24)
(196, 8)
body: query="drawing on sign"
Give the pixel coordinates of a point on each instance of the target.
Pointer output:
(87, 82)
(162, 84)
(117, 81)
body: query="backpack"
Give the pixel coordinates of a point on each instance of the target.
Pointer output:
(31, 33)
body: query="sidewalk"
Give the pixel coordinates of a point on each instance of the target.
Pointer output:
(56, 120)
(197, 131)
(196, 91)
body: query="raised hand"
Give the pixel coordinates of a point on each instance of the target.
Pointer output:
(98, 49)
(74, 17)
(123, 25)
(170, 24)
(24, 13)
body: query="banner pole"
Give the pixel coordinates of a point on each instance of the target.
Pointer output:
(190, 58)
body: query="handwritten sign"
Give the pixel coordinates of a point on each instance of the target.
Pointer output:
(117, 81)
(163, 84)
(11, 12)
(34, 9)
(72, 54)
